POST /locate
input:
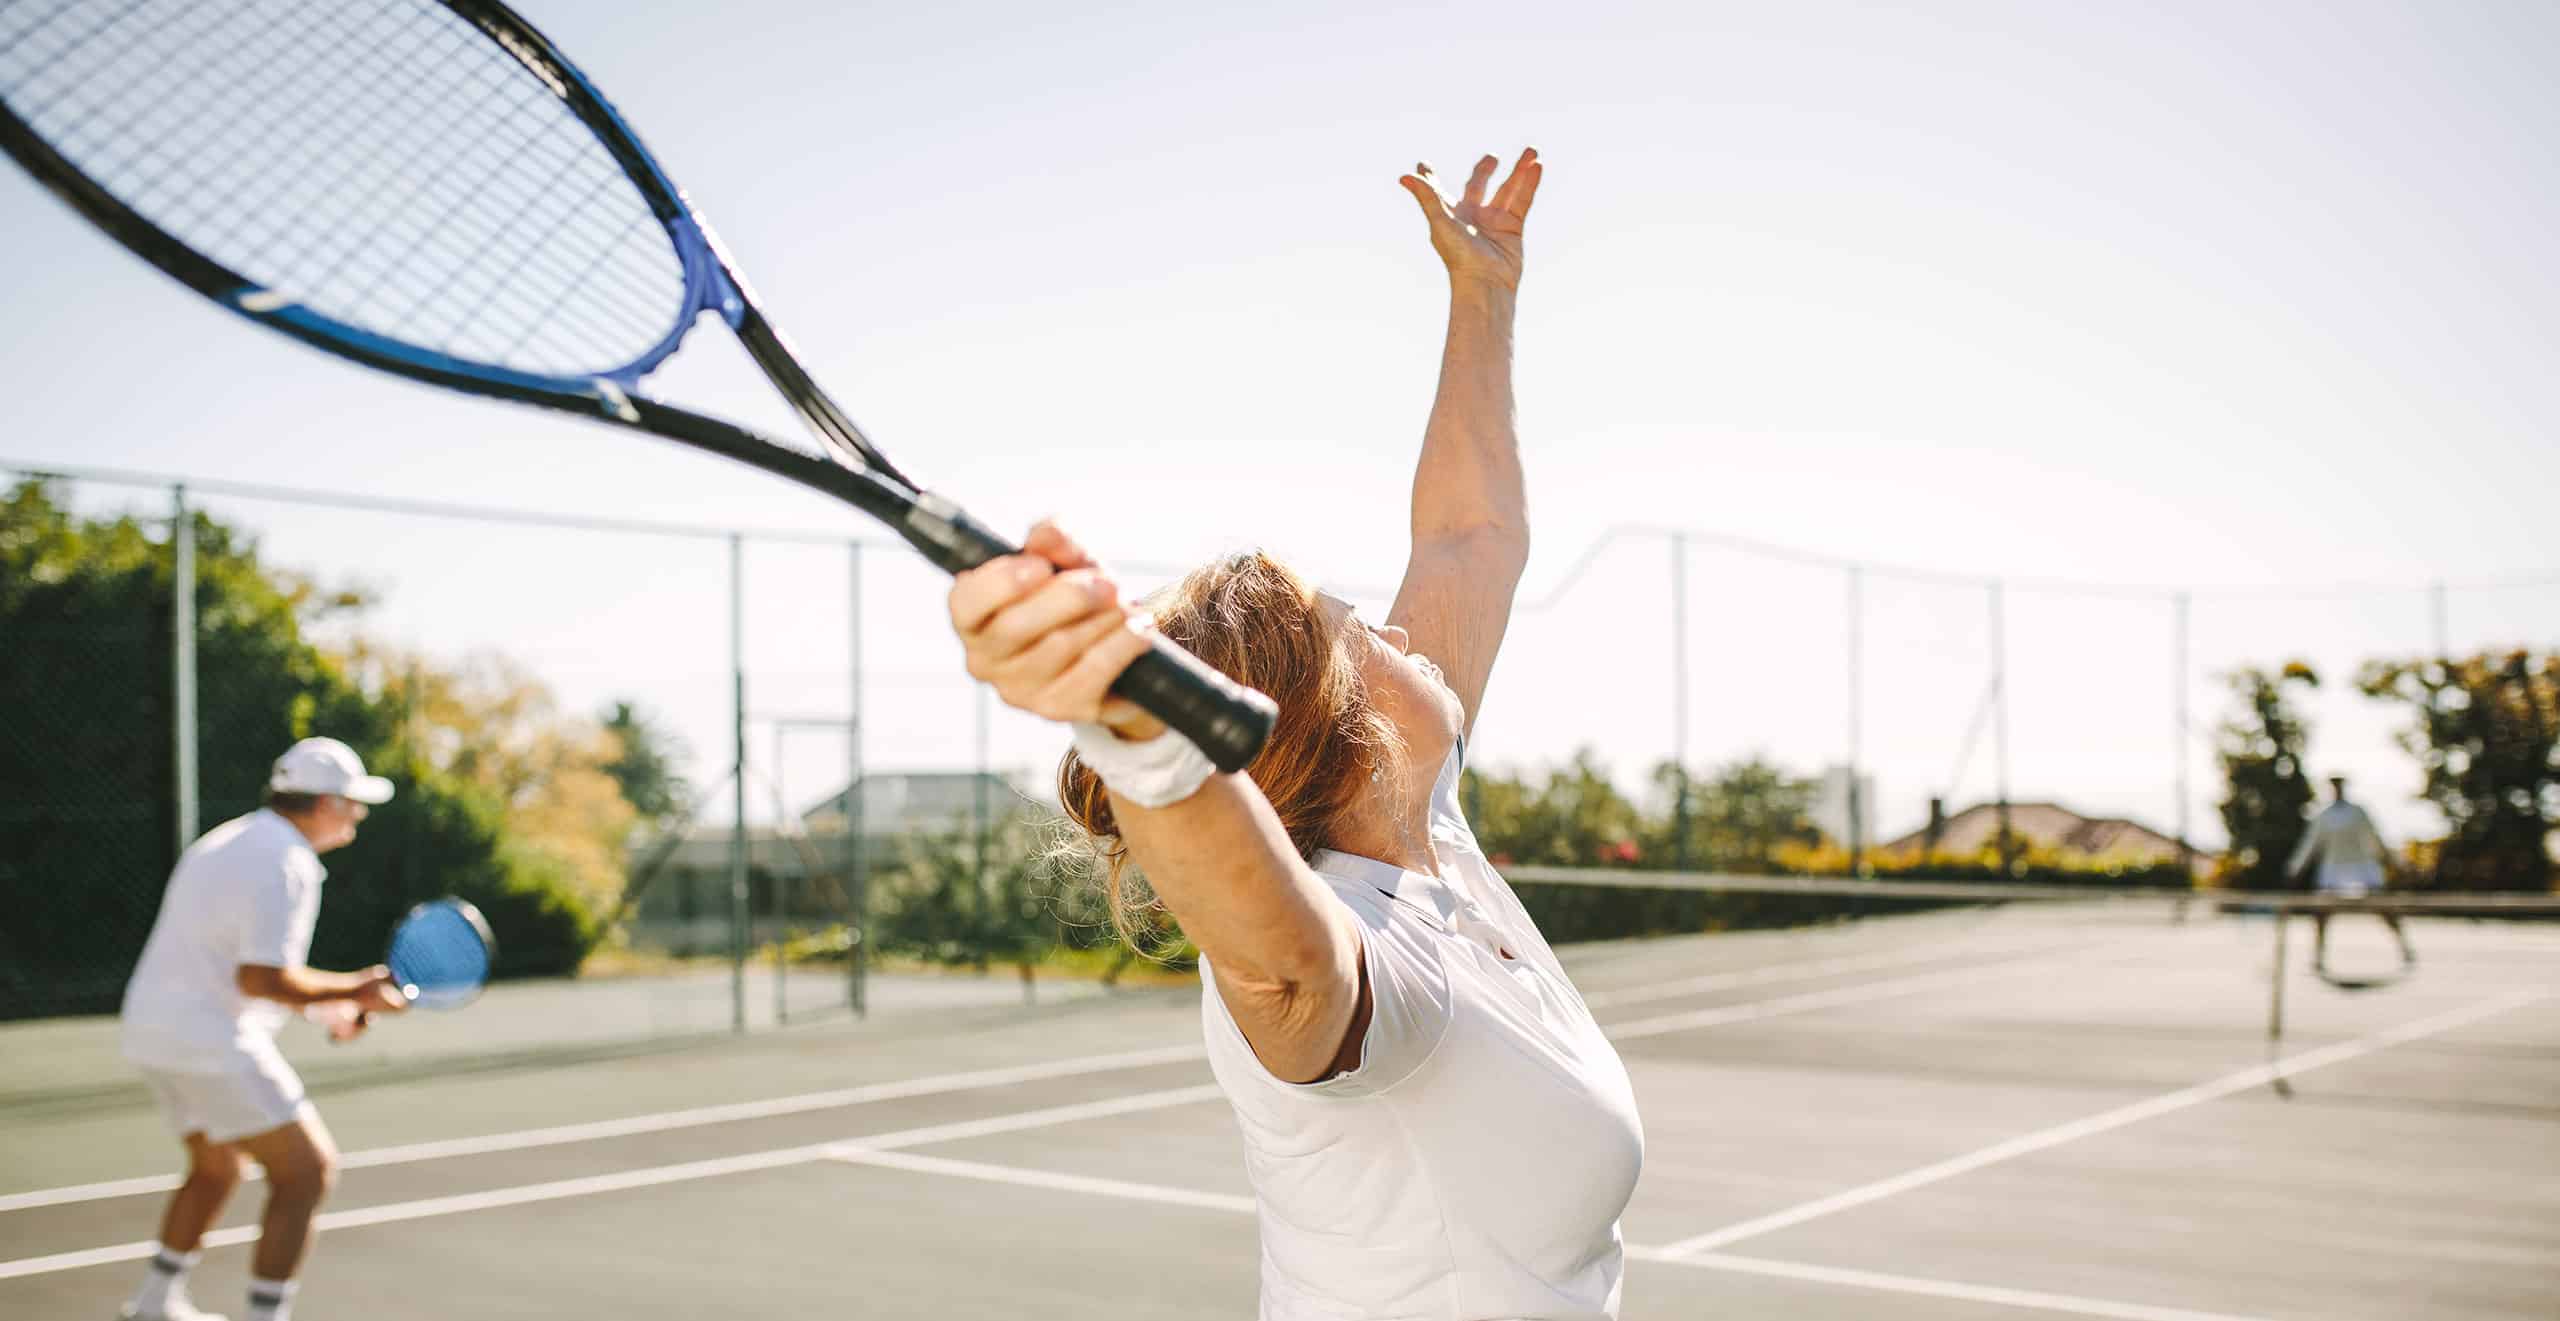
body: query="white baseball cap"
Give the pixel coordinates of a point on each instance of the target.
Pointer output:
(326, 766)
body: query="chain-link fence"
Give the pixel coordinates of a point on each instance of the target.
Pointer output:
(784, 666)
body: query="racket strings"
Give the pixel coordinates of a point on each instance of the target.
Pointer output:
(383, 163)
(441, 954)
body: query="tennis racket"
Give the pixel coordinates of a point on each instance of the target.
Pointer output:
(441, 954)
(430, 188)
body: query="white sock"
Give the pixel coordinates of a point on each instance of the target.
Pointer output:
(271, 1300)
(165, 1277)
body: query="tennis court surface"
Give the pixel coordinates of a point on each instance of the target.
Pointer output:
(2061, 1109)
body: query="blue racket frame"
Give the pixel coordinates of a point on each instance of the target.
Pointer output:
(1226, 720)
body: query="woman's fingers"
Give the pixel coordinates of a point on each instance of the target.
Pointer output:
(1483, 175)
(1084, 687)
(1521, 189)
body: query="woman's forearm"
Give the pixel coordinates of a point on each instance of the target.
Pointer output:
(1223, 864)
(1468, 478)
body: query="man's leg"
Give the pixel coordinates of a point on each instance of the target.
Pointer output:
(301, 1162)
(213, 1171)
(2408, 952)
(2319, 942)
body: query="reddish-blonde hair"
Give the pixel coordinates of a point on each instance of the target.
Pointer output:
(1255, 620)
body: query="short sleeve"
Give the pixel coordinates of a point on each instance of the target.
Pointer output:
(281, 905)
(1408, 1009)
(1448, 811)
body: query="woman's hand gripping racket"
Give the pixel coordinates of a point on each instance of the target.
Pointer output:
(440, 957)
(432, 189)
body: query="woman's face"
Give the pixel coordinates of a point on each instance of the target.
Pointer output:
(1406, 687)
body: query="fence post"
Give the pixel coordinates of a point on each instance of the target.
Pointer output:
(857, 882)
(738, 916)
(2186, 849)
(2000, 721)
(1680, 701)
(1857, 719)
(182, 665)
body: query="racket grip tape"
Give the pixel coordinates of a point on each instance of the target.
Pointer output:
(1223, 718)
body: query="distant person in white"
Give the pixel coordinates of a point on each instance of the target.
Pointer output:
(2353, 862)
(223, 968)
(1435, 1127)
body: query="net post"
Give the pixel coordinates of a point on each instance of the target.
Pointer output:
(738, 916)
(182, 665)
(857, 882)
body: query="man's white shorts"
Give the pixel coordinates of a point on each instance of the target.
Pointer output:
(258, 1093)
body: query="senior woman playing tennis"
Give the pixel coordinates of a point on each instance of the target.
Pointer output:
(1434, 1125)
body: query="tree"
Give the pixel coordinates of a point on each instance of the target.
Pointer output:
(2487, 731)
(1577, 818)
(644, 763)
(2267, 796)
(947, 905)
(489, 723)
(1741, 815)
(87, 784)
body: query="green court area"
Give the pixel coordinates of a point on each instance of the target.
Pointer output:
(2063, 1108)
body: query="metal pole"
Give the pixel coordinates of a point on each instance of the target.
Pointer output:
(1857, 719)
(858, 892)
(738, 785)
(1680, 701)
(978, 800)
(182, 665)
(2186, 848)
(781, 886)
(2000, 721)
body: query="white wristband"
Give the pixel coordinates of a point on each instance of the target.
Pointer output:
(1165, 769)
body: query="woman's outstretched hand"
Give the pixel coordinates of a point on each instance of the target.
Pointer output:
(1478, 237)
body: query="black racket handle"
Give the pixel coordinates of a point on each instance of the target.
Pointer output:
(1221, 717)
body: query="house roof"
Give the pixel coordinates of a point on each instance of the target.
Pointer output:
(2050, 825)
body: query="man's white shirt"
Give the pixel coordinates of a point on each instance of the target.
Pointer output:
(248, 892)
(2343, 838)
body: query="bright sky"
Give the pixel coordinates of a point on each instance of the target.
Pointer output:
(2208, 295)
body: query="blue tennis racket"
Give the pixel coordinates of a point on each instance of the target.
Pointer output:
(431, 189)
(441, 954)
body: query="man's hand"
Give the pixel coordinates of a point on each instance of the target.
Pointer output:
(1478, 238)
(380, 994)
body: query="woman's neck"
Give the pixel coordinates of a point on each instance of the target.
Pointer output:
(1392, 827)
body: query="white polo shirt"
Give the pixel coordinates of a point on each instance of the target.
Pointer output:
(1475, 1163)
(247, 892)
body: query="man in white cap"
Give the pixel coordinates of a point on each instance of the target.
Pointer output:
(224, 967)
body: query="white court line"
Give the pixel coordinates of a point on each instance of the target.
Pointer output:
(1860, 994)
(591, 1185)
(1162, 1195)
(2036, 1299)
(2106, 1121)
(664, 1121)
(1795, 972)
(1026, 1178)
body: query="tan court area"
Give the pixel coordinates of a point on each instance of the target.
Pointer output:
(2056, 1111)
